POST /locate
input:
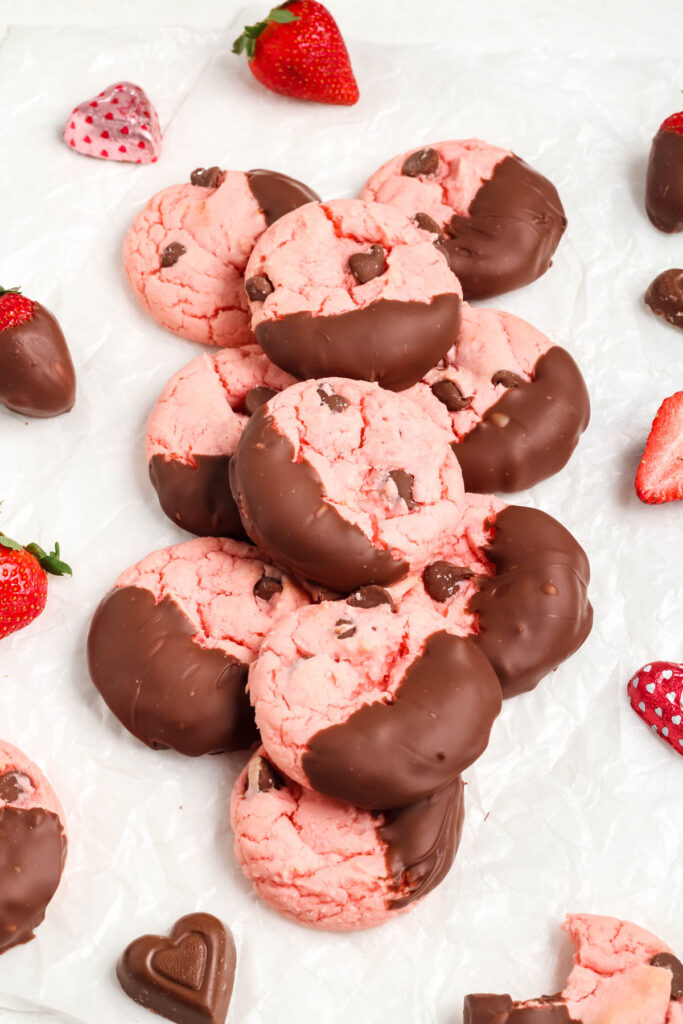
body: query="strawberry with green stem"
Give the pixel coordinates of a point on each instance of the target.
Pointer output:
(23, 582)
(297, 50)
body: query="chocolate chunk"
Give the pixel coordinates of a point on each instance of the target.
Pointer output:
(448, 392)
(162, 685)
(207, 177)
(32, 852)
(344, 628)
(542, 420)
(447, 700)
(37, 376)
(392, 342)
(330, 398)
(665, 297)
(172, 254)
(507, 378)
(423, 161)
(526, 630)
(664, 185)
(256, 397)
(267, 587)
(278, 194)
(367, 265)
(404, 484)
(197, 495)
(370, 597)
(422, 841)
(442, 579)
(262, 776)
(14, 784)
(280, 501)
(673, 964)
(509, 234)
(427, 223)
(187, 977)
(259, 287)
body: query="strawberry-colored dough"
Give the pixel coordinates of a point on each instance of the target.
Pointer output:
(463, 166)
(35, 790)
(305, 255)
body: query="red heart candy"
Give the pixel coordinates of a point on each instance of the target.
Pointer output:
(656, 695)
(127, 113)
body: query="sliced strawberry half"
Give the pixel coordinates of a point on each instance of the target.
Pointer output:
(660, 473)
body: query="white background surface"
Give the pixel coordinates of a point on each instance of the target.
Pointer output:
(574, 806)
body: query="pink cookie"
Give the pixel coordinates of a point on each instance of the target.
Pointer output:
(352, 289)
(186, 252)
(169, 646)
(516, 404)
(622, 974)
(194, 429)
(345, 483)
(120, 123)
(329, 865)
(32, 846)
(498, 220)
(371, 705)
(521, 576)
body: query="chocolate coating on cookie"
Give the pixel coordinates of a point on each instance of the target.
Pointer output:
(534, 613)
(673, 964)
(37, 376)
(160, 683)
(500, 1009)
(32, 852)
(278, 194)
(391, 342)
(664, 184)
(509, 234)
(665, 296)
(422, 841)
(283, 508)
(197, 495)
(530, 433)
(438, 723)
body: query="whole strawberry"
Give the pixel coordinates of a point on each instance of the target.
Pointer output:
(37, 376)
(23, 582)
(297, 50)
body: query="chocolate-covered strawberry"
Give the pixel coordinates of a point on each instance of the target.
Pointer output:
(23, 582)
(37, 376)
(664, 187)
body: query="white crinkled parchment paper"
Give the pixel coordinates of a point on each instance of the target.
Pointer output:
(575, 805)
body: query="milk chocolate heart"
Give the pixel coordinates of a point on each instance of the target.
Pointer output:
(187, 977)
(120, 123)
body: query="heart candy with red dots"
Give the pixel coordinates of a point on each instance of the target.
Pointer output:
(119, 123)
(656, 695)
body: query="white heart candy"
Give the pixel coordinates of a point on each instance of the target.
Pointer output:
(658, 711)
(671, 696)
(641, 706)
(665, 731)
(667, 673)
(650, 687)
(676, 720)
(681, 742)
(654, 728)
(647, 668)
(634, 681)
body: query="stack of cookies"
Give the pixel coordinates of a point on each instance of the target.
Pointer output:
(358, 602)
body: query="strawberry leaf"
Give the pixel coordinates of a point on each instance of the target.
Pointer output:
(51, 563)
(10, 291)
(7, 542)
(247, 41)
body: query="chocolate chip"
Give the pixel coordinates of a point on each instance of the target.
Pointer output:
(427, 223)
(676, 967)
(404, 484)
(262, 776)
(344, 628)
(330, 398)
(507, 378)
(267, 587)
(14, 784)
(256, 397)
(423, 161)
(207, 177)
(172, 254)
(448, 392)
(442, 579)
(366, 265)
(370, 597)
(259, 287)
(446, 252)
